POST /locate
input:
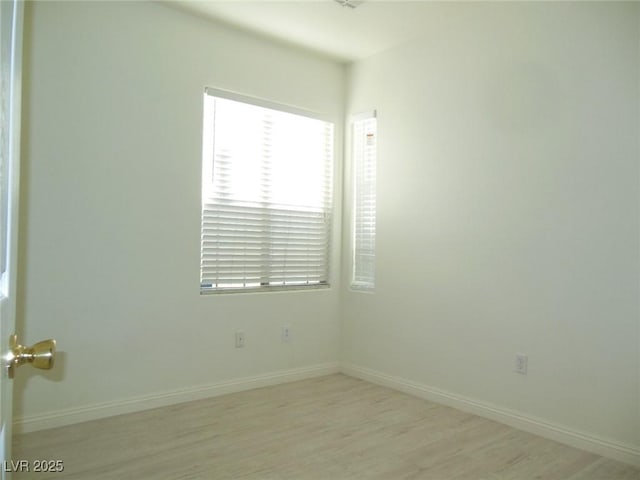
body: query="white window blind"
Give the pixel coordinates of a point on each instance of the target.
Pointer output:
(364, 211)
(266, 197)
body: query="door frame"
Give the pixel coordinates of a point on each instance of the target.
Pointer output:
(11, 37)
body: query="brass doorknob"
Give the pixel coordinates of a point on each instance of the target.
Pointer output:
(41, 355)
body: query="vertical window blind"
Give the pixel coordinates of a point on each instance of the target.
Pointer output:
(364, 202)
(266, 197)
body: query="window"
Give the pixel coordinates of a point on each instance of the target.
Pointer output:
(266, 196)
(364, 201)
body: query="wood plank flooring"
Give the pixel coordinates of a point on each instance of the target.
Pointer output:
(332, 427)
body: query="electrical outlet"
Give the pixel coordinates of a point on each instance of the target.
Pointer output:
(239, 339)
(521, 363)
(286, 334)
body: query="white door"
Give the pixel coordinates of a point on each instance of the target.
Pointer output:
(40, 355)
(11, 13)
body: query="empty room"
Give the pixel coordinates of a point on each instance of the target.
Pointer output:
(320, 239)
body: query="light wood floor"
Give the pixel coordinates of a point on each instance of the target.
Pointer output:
(332, 427)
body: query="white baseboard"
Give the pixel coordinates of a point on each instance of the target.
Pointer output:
(70, 416)
(624, 453)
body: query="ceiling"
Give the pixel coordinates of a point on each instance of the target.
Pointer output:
(340, 32)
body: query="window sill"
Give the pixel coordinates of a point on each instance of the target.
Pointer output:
(264, 289)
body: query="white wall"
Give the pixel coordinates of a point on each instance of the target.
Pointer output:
(508, 212)
(111, 205)
(507, 216)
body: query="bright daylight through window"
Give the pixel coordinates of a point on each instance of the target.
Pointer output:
(266, 196)
(364, 201)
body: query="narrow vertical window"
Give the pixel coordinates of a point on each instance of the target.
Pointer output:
(364, 201)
